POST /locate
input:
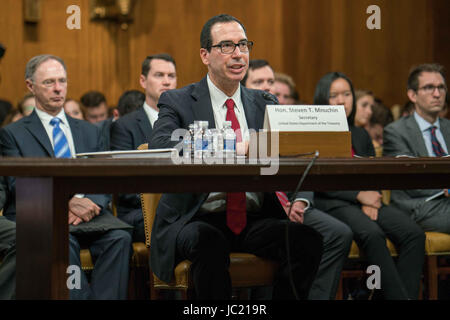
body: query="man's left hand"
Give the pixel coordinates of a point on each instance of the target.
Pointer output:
(297, 211)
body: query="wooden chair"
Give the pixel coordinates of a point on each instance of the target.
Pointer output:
(246, 270)
(437, 245)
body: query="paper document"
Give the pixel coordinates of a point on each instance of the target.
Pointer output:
(151, 153)
(434, 196)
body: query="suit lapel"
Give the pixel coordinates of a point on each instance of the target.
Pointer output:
(416, 137)
(34, 125)
(248, 102)
(144, 124)
(445, 129)
(77, 135)
(202, 107)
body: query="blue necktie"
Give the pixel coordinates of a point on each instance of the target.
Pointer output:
(60, 144)
(437, 148)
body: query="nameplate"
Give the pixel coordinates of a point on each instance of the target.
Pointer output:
(305, 118)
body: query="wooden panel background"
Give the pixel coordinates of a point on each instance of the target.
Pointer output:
(303, 38)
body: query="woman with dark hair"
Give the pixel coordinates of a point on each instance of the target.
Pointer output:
(370, 220)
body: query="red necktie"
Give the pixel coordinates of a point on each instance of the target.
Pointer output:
(236, 201)
(283, 200)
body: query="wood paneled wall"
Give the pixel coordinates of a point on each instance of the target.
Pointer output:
(303, 38)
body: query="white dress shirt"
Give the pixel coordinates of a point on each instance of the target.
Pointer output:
(426, 133)
(152, 114)
(64, 125)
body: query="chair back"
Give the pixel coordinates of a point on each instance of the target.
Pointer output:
(149, 203)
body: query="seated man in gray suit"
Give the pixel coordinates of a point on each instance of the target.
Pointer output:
(337, 236)
(7, 251)
(49, 132)
(158, 74)
(423, 134)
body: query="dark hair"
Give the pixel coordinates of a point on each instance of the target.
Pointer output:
(2, 50)
(381, 114)
(413, 78)
(92, 99)
(205, 35)
(322, 93)
(254, 65)
(161, 56)
(129, 101)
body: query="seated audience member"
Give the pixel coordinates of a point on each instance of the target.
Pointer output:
(73, 109)
(364, 102)
(48, 132)
(129, 101)
(205, 227)
(422, 134)
(284, 89)
(5, 108)
(381, 117)
(370, 220)
(337, 236)
(24, 109)
(7, 251)
(259, 75)
(95, 106)
(408, 108)
(158, 74)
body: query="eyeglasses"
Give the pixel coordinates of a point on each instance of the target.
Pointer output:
(51, 82)
(228, 47)
(429, 89)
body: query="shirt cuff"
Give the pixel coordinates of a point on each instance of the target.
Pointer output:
(79, 195)
(305, 201)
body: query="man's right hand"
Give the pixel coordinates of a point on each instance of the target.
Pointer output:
(73, 219)
(83, 208)
(370, 198)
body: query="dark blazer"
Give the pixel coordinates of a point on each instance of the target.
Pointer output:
(363, 147)
(131, 130)
(28, 138)
(128, 133)
(105, 128)
(177, 109)
(403, 137)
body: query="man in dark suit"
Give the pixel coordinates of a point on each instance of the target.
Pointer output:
(7, 250)
(422, 134)
(158, 75)
(49, 132)
(205, 227)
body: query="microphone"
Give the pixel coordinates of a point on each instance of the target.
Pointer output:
(269, 97)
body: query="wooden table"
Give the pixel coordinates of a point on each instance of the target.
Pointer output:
(44, 186)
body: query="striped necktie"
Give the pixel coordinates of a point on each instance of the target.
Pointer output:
(60, 144)
(437, 148)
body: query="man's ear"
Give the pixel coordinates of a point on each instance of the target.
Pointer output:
(412, 95)
(142, 79)
(204, 55)
(30, 85)
(116, 114)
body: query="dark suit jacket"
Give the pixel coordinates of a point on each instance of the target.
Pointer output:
(403, 137)
(178, 109)
(131, 130)
(28, 138)
(105, 128)
(363, 147)
(128, 133)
